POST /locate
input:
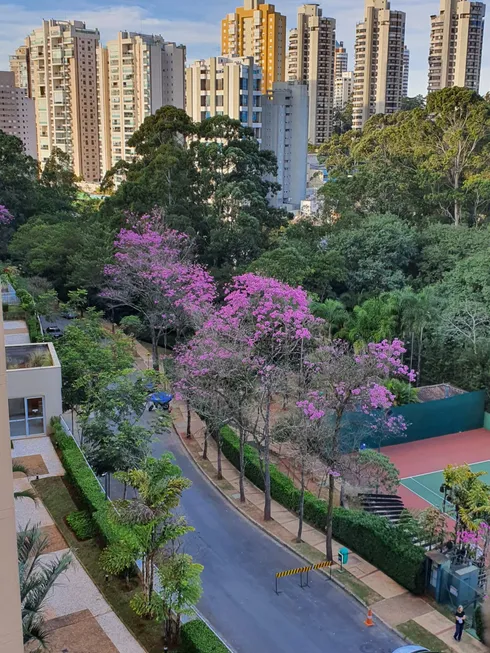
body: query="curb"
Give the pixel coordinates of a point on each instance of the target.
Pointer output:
(281, 542)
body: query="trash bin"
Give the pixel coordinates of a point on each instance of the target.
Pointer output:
(343, 555)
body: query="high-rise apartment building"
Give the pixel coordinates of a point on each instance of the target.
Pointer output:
(259, 31)
(341, 59)
(11, 640)
(285, 132)
(343, 90)
(225, 86)
(60, 61)
(312, 61)
(17, 113)
(378, 75)
(137, 74)
(19, 65)
(456, 42)
(406, 71)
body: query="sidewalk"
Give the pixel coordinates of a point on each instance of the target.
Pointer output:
(411, 615)
(78, 618)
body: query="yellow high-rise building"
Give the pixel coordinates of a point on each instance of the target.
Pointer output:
(258, 31)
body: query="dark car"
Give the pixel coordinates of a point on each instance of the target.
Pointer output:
(68, 314)
(54, 332)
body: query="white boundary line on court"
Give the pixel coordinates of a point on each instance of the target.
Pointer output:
(440, 471)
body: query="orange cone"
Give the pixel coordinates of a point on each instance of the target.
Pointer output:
(369, 620)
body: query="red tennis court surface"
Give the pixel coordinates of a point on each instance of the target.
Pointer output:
(426, 456)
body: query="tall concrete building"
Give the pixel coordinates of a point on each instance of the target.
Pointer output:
(456, 42)
(59, 59)
(343, 90)
(259, 31)
(406, 71)
(137, 75)
(11, 640)
(341, 59)
(378, 75)
(20, 66)
(285, 132)
(312, 61)
(17, 113)
(225, 86)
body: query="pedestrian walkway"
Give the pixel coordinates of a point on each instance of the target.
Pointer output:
(78, 618)
(390, 601)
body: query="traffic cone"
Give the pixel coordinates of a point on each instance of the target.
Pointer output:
(369, 620)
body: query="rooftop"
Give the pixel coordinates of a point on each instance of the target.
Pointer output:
(28, 356)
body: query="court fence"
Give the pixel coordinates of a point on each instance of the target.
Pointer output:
(430, 419)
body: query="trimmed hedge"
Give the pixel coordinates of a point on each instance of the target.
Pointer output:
(82, 478)
(372, 537)
(479, 623)
(81, 523)
(196, 637)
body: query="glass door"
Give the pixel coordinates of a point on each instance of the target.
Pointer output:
(26, 417)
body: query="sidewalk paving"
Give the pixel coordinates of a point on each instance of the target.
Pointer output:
(390, 601)
(78, 618)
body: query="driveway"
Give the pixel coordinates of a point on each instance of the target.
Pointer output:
(238, 579)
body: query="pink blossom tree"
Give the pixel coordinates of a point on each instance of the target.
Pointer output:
(154, 273)
(5, 216)
(341, 383)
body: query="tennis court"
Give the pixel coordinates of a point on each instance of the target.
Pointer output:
(421, 464)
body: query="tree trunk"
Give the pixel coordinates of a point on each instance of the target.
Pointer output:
(331, 490)
(457, 213)
(154, 350)
(205, 448)
(125, 490)
(419, 354)
(218, 444)
(342, 493)
(242, 464)
(188, 406)
(301, 503)
(267, 457)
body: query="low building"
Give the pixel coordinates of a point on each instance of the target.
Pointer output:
(285, 132)
(33, 388)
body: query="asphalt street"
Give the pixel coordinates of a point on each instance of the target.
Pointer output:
(238, 579)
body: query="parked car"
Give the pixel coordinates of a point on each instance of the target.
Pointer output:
(411, 649)
(68, 314)
(53, 332)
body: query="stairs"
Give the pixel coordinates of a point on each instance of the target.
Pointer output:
(383, 505)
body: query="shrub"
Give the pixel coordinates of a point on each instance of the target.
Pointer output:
(479, 624)
(81, 523)
(196, 637)
(372, 537)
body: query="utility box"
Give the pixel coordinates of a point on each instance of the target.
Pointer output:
(343, 556)
(438, 563)
(463, 585)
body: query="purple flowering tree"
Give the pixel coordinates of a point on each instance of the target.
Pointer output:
(154, 273)
(343, 382)
(5, 216)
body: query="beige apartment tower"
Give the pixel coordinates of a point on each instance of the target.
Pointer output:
(259, 31)
(456, 42)
(59, 59)
(225, 86)
(17, 113)
(137, 75)
(312, 60)
(379, 53)
(10, 615)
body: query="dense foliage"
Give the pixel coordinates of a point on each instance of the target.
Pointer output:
(196, 637)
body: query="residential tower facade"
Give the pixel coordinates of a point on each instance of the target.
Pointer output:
(17, 116)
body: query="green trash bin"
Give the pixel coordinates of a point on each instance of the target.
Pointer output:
(343, 556)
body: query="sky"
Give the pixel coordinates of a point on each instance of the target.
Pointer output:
(196, 23)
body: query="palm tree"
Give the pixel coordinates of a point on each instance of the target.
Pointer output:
(36, 578)
(23, 494)
(333, 312)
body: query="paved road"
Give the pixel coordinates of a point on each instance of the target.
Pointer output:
(239, 600)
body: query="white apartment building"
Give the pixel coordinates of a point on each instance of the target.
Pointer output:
(17, 116)
(456, 43)
(285, 132)
(406, 71)
(137, 75)
(229, 86)
(379, 51)
(341, 59)
(59, 59)
(311, 60)
(343, 89)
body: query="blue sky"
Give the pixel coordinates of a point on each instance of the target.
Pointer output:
(197, 24)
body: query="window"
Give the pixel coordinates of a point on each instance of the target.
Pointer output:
(26, 416)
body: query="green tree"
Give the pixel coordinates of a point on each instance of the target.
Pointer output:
(77, 300)
(374, 320)
(47, 303)
(333, 312)
(36, 578)
(159, 486)
(180, 589)
(57, 175)
(372, 470)
(415, 102)
(284, 263)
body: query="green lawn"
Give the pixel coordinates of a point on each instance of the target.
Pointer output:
(422, 637)
(55, 495)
